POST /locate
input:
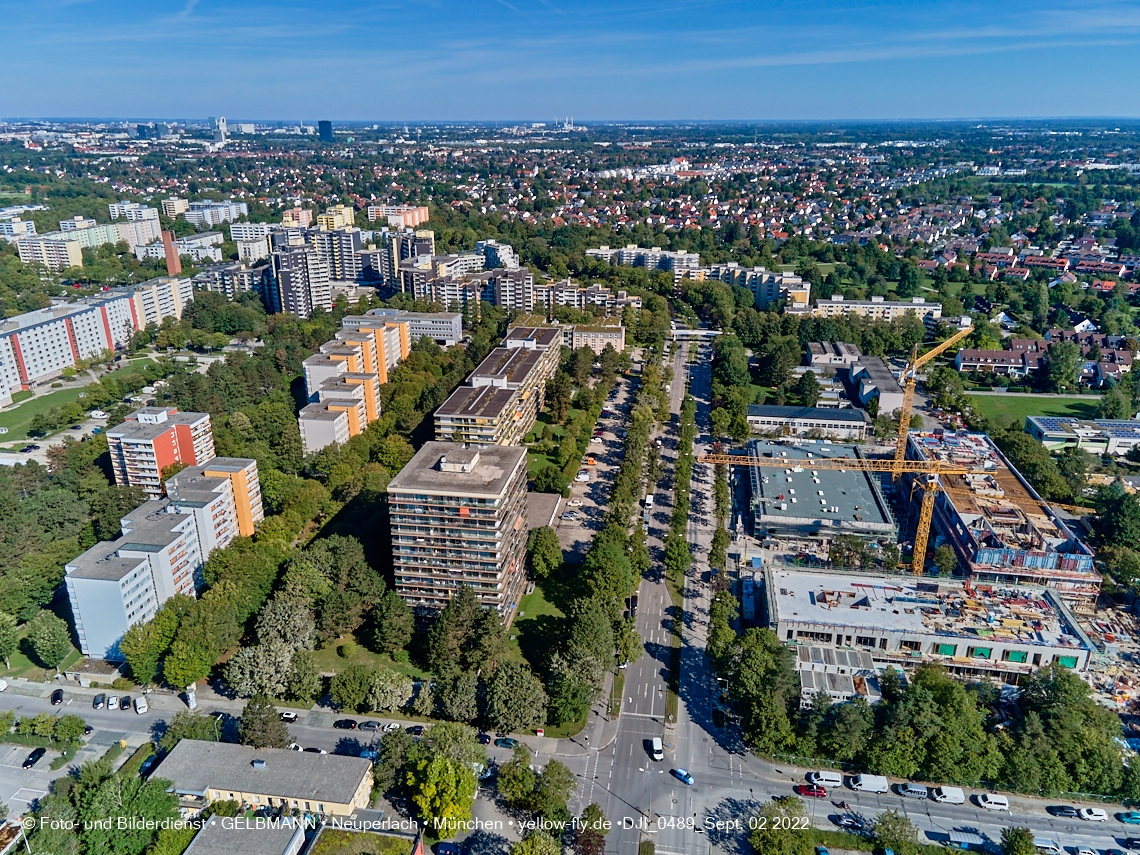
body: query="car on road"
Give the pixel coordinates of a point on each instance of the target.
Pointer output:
(344, 724)
(316, 751)
(289, 717)
(811, 791)
(821, 850)
(849, 823)
(416, 730)
(506, 742)
(597, 438)
(34, 758)
(682, 775)
(1084, 850)
(57, 697)
(112, 702)
(484, 739)
(1130, 817)
(99, 701)
(1113, 852)
(125, 703)
(369, 725)
(1093, 814)
(992, 801)
(293, 746)
(575, 503)
(388, 728)
(1067, 811)
(570, 515)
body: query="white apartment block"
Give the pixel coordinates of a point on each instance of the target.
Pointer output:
(399, 216)
(132, 211)
(54, 254)
(14, 229)
(76, 223)
(652, 257)
(253, 250)
(497, 254)
(251, 231)
(213, 213)
(878, 308)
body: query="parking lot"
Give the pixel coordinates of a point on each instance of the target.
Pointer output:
(20, 787)
(575, 534)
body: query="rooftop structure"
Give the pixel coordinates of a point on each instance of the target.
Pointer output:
(286, 836)
(1002, 531)
(205, 772)
(1098, 436)
(833, 353)
(798, 501)
(973, 630)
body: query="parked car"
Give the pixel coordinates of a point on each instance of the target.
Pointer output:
(345, 724)
(683, 776)
(316, 751)
(570, 515)
(388, 728)
(1093, 814)
(289, 716)
(34, 758)
(112, 702)
(1084, 850)
(811, 791)
(369, 725)
(416, 730)
(992, 801)
(57, 697)
(484, 739)
(125, 703)
(506, 742)
(1067, 811)
(99, 701)
(575, 503)
(849, 823)
(1130, 817)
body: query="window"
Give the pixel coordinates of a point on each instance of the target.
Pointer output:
(916, 646)
(1067, 661)
(979, 652)
(946, 649)
(815, 636)
(1014, 656)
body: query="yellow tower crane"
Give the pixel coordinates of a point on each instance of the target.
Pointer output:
(908, 380)
(929, 470)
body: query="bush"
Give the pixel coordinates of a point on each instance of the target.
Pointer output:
(122, 683)
(347, 650)
(400, 656)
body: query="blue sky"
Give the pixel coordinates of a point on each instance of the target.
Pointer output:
(503, 60)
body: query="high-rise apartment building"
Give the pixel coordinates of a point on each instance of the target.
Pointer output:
(458, 517)
(337, 217)
(340, 248)
(301, 281)
(497, 254)
(225, 494)
(297, 217)
(53, 253)
(153, 439)
(324, 130)
(174, 206)
(250, 231)
(214, 213)
(132, 211)
(399, 216)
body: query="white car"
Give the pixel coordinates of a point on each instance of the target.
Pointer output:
(991, 801)
(582, 478)
(1084, 850)
(1093, 814)
(575, 503)
(388, 728)
(293, 746)
(596, 439)
(113, 702)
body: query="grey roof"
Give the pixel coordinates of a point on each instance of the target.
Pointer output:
(194, 767)
(320, 412)
(218, 839)
(101, 562)
(488, 477)
(771, 411)
(486, 402)
(877, 372)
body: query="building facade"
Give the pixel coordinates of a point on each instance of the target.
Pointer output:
(153, 439)
(878, 308)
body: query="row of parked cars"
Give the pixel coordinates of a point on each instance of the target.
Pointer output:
(114, 702)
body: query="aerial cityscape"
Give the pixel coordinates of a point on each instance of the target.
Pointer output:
(744, 460)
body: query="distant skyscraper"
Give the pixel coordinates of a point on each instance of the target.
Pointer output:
(324, 130)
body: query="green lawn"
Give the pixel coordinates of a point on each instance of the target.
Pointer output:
(23, 665)
(19, 419)
(1004, 409)
(535, 626)
(327, 659)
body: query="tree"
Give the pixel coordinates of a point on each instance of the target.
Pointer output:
(515, 700)
(776, 834)
(550, 480)
(394, 623)
(261, 725)
(594, 819)
(1061, 363)
(945, 560)
(555, 786)
(516, 779)
(1016, 840)
(424, 703)
(189, 725)
(351, 687)
(287, 622)
(1118, 518)
(559, 391)
(304, 681)
(9, 637)
(444, 791)
(68, 728)
(50, 638)
(390, 690)
(147, 801)
(893, 830)
(458, 694)
(188, 661)
(393, 754)
(544, 552)
(807, 387)
(537, 843)
(261, 670)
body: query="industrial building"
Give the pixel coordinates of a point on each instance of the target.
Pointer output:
(976, 631)
(1001, 530)
(1096, 436)
(815, 422)
(459, 517)
(796, 501)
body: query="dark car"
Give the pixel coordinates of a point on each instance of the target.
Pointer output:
(57, 697)
(77, 427)
(125, 703)
(345, 724)
(506, 742)
(811, 790)
(34, 758)
(1067, 811)
(416, 730)
(289, 717)
(88, 730)
(1132, 843)
(99, 701)
(369, 725)
(484, 739)
(316, 751)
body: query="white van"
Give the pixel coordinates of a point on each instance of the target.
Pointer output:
(141, 706)
(871, 784)
(3, 685)
(948, 795)
(1044, 844)
(658, 750)
(913, 791)
(826, 779)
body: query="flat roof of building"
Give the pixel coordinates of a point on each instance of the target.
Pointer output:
(773, 411)
(194, 767)
(101, 562)
(491, 469)
(543, 336)
(228, 464)
(847, 500)
(192, 486)
(942, 607)
(877, 371)
(319, 412)
(218, 839)
(511, 365)
(152, 527)
(135, 431)
(1060, 426)
(484, 402)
